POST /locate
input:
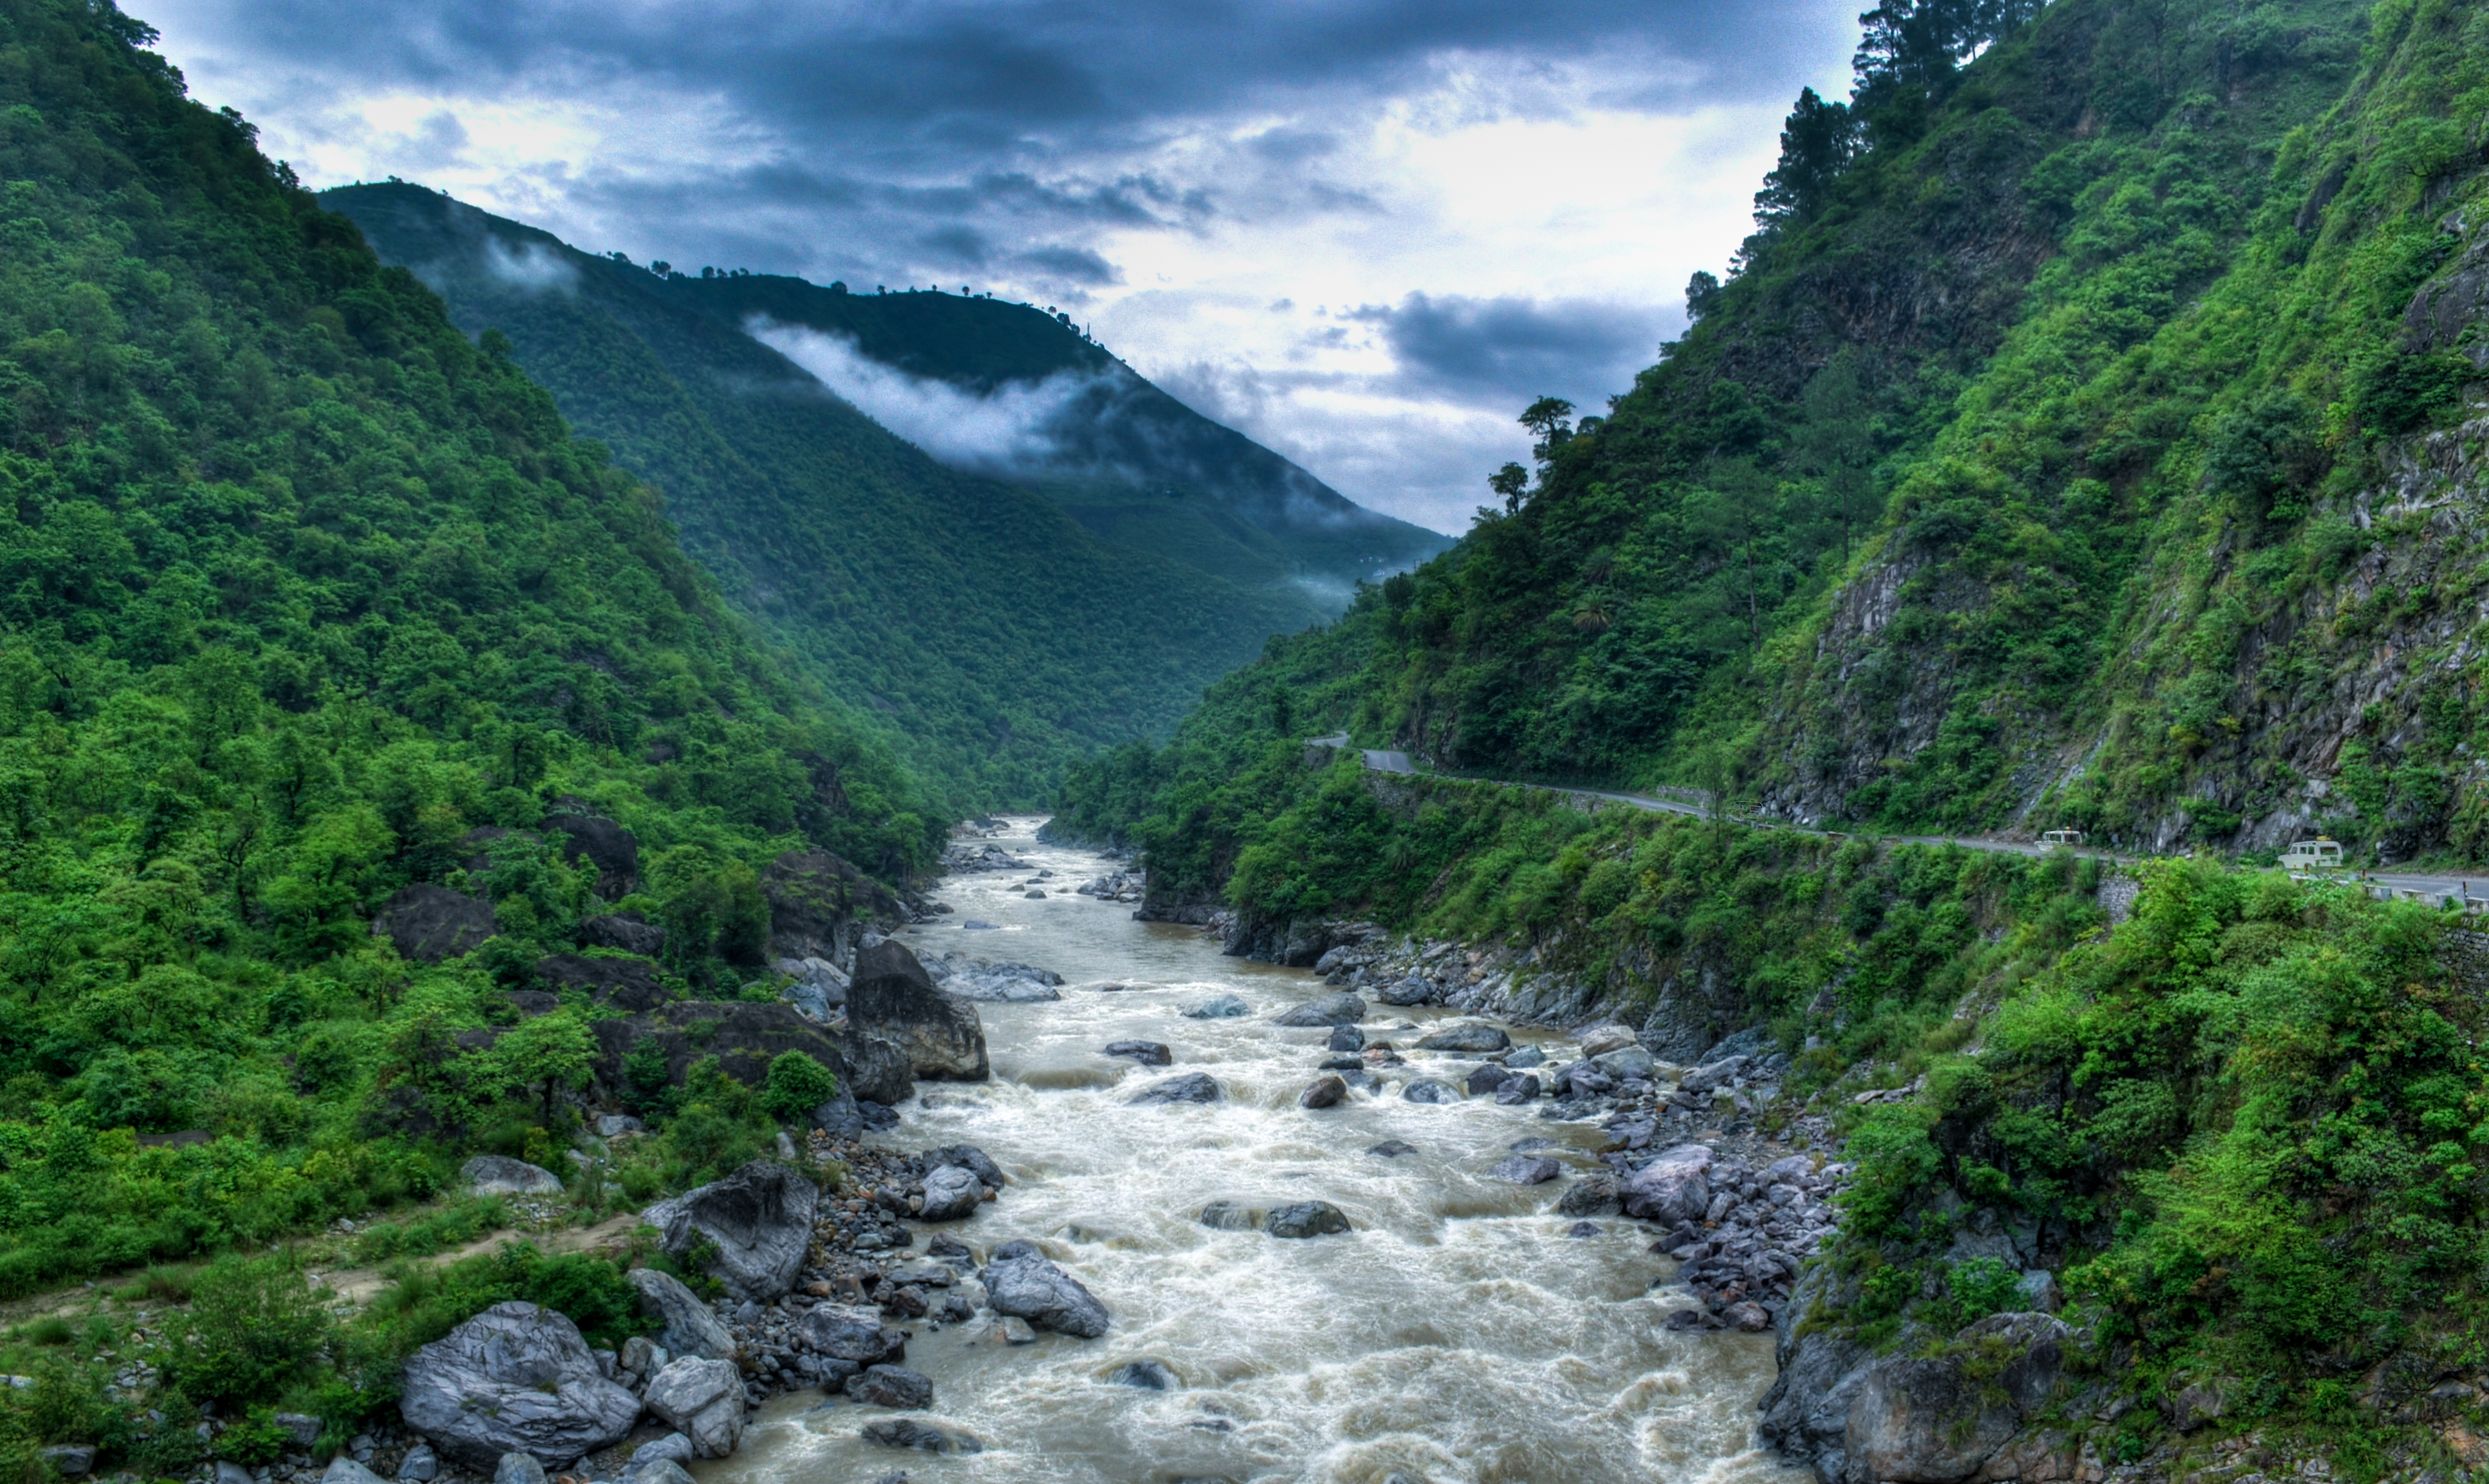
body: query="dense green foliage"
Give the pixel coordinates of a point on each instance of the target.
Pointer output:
(298, 586)
(993, 629)
(2026, 467)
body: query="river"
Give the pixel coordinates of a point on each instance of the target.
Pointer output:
(1458, 1333)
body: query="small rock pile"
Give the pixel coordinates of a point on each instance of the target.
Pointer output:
(969, 855)
(1123, 886)
(1741, 1254)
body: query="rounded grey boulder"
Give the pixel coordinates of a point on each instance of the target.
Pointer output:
(1326, 1092)
(1516, 1091)
(1218, 1007)
(1475, 1036)
(515, 1379)
(1149, 1053)
(1192, 1087)
(892, 1385)
(1428, 1090)
(497, 1175)
(1029, 1286)
(1345, 1037)
(952, 1193)
(1341, 1008)
(704, 1400)
(1526, 1170)
(1306, 1218)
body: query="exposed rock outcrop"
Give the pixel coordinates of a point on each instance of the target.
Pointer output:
(761, 1219)
(427, 923)
(893, 999)
(820, 906)
(515, 1379)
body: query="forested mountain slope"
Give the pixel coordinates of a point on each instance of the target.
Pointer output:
(1000, 626)
(2080, 442)
(307, 598)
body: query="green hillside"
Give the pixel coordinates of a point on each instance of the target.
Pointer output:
(2091, 434)
(300, 588)
(994, 628)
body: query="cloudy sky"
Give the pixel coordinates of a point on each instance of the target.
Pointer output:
(1366, 232)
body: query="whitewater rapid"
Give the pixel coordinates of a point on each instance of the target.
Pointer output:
(1457, 1335)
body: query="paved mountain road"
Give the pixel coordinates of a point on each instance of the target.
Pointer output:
(2470, 891)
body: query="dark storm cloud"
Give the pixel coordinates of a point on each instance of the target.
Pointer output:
(946, 79)
(1498, 350)
(1070, 265)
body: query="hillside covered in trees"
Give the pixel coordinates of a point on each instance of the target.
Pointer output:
(2080, 440)
(309, 606)
(994, 619)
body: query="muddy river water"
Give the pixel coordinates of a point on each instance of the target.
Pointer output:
(1458, 1334)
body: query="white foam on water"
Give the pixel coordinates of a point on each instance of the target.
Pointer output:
(1456, 1334)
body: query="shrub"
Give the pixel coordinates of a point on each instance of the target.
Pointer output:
(797, 1085)
(253, 1326)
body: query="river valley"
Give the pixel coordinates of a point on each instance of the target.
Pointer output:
(1459, 1333)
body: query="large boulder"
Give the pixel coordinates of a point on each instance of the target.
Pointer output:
(1306, 1218)
(952, 1193)
(626, 931)
(760, 1218)
(628, 984)
(427, 923)
(591, 839)
(501, 1175)
(1217, 1007)
(1192, 1087)
(848, 1340)
(892, 1385)
(703, 1399)
(1627, 1062)
(1429, 1090)
(894, 999)
(1673, 1187)
(691, 1327)
(745, 1038)
(820, 906)
(1473, 1036)
(877, 1069)
(515, 1379)
(1934, 1422)
(1341, 1008)
(1026, 1286)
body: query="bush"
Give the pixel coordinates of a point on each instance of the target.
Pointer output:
(797, 1085)
(253, 1328)
(1984, 1286)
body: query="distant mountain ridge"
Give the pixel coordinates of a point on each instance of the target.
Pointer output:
(1000, 627)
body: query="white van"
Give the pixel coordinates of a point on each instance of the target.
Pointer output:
(2309, 857)
(2070, 839)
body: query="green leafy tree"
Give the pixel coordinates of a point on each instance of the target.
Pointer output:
(797, 1084)
(550, 1054)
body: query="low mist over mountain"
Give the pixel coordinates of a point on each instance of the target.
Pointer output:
(1064, 558)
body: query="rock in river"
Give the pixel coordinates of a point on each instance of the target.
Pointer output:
(904, 1433)
(1473, 1036)
(760, 1218)
(1218, 1007)
(1487, 1078)
(1517, 1091)
(1149, 1053)
(1341, 1008)
(1027, 1286)
(1593, 1195)
(515, 1379)
(892, 1385)
(1345, 1037)
(1428, 1090)
(1147, 1374)
(1192, 1087)
(1306, 1218)
(1326, 1092)
(1526, 1170)
(1228, 1217)
(952, 1194)
(1626, 1062)
(690, 1327)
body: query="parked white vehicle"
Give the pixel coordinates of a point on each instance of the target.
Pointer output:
(2309, 857)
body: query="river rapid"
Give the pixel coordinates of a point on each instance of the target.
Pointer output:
(1457, 1335)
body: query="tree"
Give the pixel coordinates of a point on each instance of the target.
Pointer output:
(1838, 439)
(1512, 482)
(1701, 293)
(547, 1054)
(1551, 418)
(1817, 143)
(1911, 50)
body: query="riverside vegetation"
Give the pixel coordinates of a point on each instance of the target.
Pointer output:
(2087, 438)
(307, 598)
